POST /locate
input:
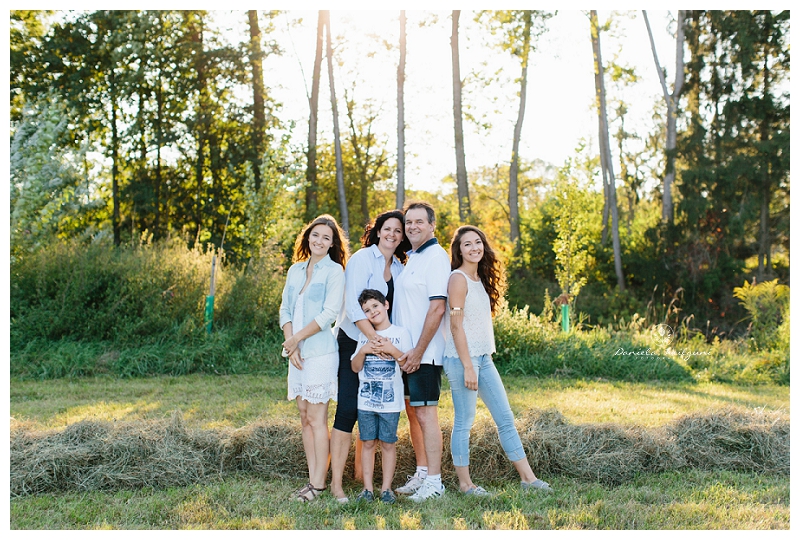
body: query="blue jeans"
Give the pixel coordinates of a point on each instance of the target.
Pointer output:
(493, 395)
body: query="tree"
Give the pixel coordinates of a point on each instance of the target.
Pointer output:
(671, 100)
(345, 218)
(518, 29)
(259, 118)
(605, 148)
(464, 211)
(46, 176)
(401, 121)
(735, 144)
(311, 170)
(370, 157)
(574, 233)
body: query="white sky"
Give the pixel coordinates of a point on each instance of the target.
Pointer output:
(560, 83)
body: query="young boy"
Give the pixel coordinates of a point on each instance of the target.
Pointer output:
(380, 396)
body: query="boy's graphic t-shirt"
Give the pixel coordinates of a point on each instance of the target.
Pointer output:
(380, 381)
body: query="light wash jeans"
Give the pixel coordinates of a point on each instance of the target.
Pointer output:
(493, 395)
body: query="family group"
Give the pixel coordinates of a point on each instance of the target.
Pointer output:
(375, 331)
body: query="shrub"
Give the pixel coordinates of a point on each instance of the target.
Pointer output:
(768, 305)
(74, 291)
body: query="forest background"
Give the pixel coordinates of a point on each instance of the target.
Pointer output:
(148, 147)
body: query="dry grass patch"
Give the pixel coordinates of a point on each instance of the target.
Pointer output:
(101, 455)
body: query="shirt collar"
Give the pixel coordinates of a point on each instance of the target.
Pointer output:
(322, 262)
(424, 246)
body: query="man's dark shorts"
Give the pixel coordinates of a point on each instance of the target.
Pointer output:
(422, 387)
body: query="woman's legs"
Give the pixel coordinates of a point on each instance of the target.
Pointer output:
(340, 449)
(314, 420)
(493, 395)
(345, 417)
(464, 404)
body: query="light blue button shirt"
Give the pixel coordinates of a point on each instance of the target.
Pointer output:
(364, 271)
(322, 300)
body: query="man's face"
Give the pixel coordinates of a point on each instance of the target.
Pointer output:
(418, 229)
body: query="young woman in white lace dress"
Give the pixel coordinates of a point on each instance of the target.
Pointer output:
(473, 295)
(311, 300)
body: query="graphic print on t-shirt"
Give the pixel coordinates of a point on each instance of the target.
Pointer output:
(378, 389)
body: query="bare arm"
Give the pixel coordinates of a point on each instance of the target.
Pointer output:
(357, 362)
(457, 293)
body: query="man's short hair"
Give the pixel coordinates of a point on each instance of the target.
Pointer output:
(421, 204)
(371, 294)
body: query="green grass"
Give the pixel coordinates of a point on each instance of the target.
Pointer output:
(690, 499)
(235, 400)
(693, 500)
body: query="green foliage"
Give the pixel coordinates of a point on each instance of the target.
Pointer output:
(575, 223)
(768, 305)
(82, 310)
(48, 194)
(92, 292)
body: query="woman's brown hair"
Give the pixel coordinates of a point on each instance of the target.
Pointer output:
(339, 251)
(370, 235)
(490, 269)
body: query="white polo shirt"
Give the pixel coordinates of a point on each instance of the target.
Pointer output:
(424, 278)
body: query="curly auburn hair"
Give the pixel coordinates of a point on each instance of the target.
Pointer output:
(370, 235)
(339, 250)
(490, 269)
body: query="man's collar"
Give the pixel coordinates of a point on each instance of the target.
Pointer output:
(425, 246)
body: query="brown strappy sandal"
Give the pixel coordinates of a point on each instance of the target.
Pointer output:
(308, 493)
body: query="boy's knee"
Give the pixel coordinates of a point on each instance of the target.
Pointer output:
(368, 445)
(387, 446)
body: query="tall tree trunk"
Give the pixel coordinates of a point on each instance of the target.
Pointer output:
(114, 162)
(513, 179)
(159, 144)
(603, 119)
(311, 169)
(400, 194)
(764, 243)
(464, 211)
(259, 117)
(201, 130)
(667, 212)
(336, 138)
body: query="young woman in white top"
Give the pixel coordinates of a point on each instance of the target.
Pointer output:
(311, 300)
(473, 294)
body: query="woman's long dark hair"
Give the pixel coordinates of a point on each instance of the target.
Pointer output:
(490, 269)
(338, 251)
(370, 235)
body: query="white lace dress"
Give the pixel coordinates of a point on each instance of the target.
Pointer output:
(318, 381)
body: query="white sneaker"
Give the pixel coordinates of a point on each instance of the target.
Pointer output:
(413, 484)
(428, 490)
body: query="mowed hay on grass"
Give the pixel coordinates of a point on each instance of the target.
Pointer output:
(92, 455)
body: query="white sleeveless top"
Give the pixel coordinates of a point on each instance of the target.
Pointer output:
(477, 321)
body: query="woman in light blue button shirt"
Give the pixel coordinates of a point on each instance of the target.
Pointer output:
(375, 266)
(312, 298)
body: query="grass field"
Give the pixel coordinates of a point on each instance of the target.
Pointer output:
(685, 499)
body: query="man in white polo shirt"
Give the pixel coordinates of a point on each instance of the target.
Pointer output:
(419, 303)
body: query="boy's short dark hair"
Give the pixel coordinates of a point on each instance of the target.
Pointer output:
(371, 294)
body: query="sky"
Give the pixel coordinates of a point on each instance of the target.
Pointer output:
(559, 111)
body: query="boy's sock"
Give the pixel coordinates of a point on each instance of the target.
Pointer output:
(435, 479)
(422, 472)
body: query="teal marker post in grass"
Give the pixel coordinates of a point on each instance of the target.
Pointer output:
(565, 317)
(208, 316)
